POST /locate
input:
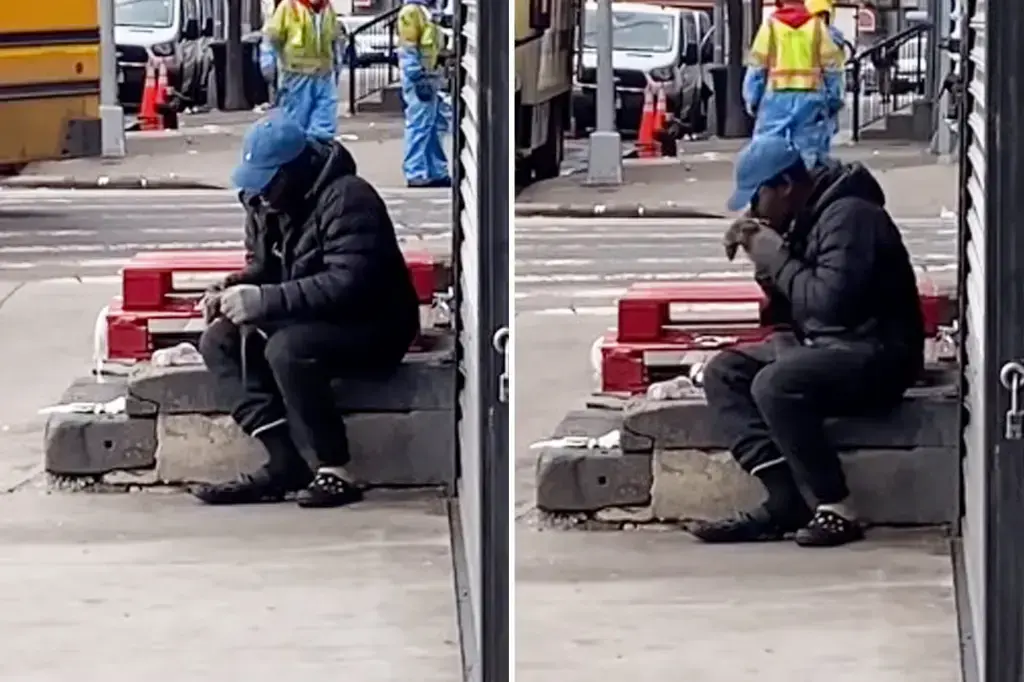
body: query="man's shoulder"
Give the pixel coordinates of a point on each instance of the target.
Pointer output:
(347, 188)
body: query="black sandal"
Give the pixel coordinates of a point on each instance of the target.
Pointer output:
(758, 525)
(829, 529)
(328, 490)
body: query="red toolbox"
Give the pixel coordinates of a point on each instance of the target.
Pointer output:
(665, 328)
(160, 293)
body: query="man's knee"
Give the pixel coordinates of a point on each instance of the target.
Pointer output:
(725, 371)
(219, 341)
(773, 386)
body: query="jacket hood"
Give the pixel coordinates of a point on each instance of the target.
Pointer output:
(835, 181)
(338, 163)
(793, 16)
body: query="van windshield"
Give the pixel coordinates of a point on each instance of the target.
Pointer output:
(146, 13)
(633, 31)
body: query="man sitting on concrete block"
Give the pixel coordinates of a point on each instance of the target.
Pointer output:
(326, 293)
(834, 266)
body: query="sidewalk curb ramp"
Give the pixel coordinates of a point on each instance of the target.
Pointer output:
(105, 182)
(670, 466)
(176, 426)
(664, 210)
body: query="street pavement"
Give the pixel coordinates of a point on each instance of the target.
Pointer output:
(73, 233)
(580, 267)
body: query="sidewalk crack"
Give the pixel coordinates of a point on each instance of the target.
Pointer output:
(10, 294)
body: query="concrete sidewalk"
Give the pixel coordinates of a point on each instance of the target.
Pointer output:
(206, 149)
(917, 184)
(152, 585)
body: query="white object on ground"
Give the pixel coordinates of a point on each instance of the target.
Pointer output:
(99, 343)
(115, 406)
(177, 356)
(606, 442)
(674, 389)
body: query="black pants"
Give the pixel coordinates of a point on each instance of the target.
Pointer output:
(283, 376)
(771, 400)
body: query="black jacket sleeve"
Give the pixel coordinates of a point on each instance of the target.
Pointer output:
(829, 285)
(353, 234)
(255, 270)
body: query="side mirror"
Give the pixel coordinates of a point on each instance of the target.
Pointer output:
(691, 55)
(191, 30)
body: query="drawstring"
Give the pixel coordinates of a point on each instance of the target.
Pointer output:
(244, 331)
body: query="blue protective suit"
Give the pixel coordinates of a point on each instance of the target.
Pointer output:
(419, 41)
(804, 115)
(304, 37)
(840, 40)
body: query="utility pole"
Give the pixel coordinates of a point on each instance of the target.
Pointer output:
(111, 113)
(736, 119)
(234, 60)
(604, 159)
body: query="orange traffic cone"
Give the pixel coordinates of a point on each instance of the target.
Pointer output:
(646, 144)
(661, 122)
(149, 117)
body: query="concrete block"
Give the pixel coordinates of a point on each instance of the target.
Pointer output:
(591, 422)
(577, 479)
(412, 449)
(89, 444)
(88, 390)
(890, 487)
(196, 448)
(424, 381)
(923, 419)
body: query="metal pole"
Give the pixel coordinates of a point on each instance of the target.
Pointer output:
(718, 24)
(111, 113)
(604, 162)
(234, 60)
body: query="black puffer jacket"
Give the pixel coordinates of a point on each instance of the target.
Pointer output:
(336, 259)
(843, 272)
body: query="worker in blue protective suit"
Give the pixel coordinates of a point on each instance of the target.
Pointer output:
(793, 85)
(824, 10)
(304, 35)
(419, 46)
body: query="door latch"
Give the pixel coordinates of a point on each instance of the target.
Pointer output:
(500, 343)
(1011, 376)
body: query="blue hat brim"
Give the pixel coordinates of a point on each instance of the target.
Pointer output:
(740, 198)
(252, 179)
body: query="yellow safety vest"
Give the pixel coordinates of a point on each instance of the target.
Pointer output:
(304, 39)
(417, 31)
(795, 58)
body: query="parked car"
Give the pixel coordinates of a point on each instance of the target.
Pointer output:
(375, 45)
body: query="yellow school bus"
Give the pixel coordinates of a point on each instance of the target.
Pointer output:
(49, 82)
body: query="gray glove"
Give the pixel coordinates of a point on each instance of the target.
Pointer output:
(242, 303)
(740, 233)
(210, 303)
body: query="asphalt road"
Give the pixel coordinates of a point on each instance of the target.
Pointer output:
(571, 266)
(49, 234)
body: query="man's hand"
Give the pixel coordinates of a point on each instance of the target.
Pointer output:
(210, 303)
(242, 303)
(740, 233)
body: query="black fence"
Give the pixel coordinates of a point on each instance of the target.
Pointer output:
(371, 55)
(888, 76)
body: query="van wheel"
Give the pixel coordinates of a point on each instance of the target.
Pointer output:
(547, 160)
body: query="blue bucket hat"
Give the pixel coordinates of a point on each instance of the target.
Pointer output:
(270, 143)
(763, 159)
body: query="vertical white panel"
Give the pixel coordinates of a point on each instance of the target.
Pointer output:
(470, 436)
(974, 521)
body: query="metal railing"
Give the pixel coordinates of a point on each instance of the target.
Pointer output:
(371, 55)
(888, 76)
